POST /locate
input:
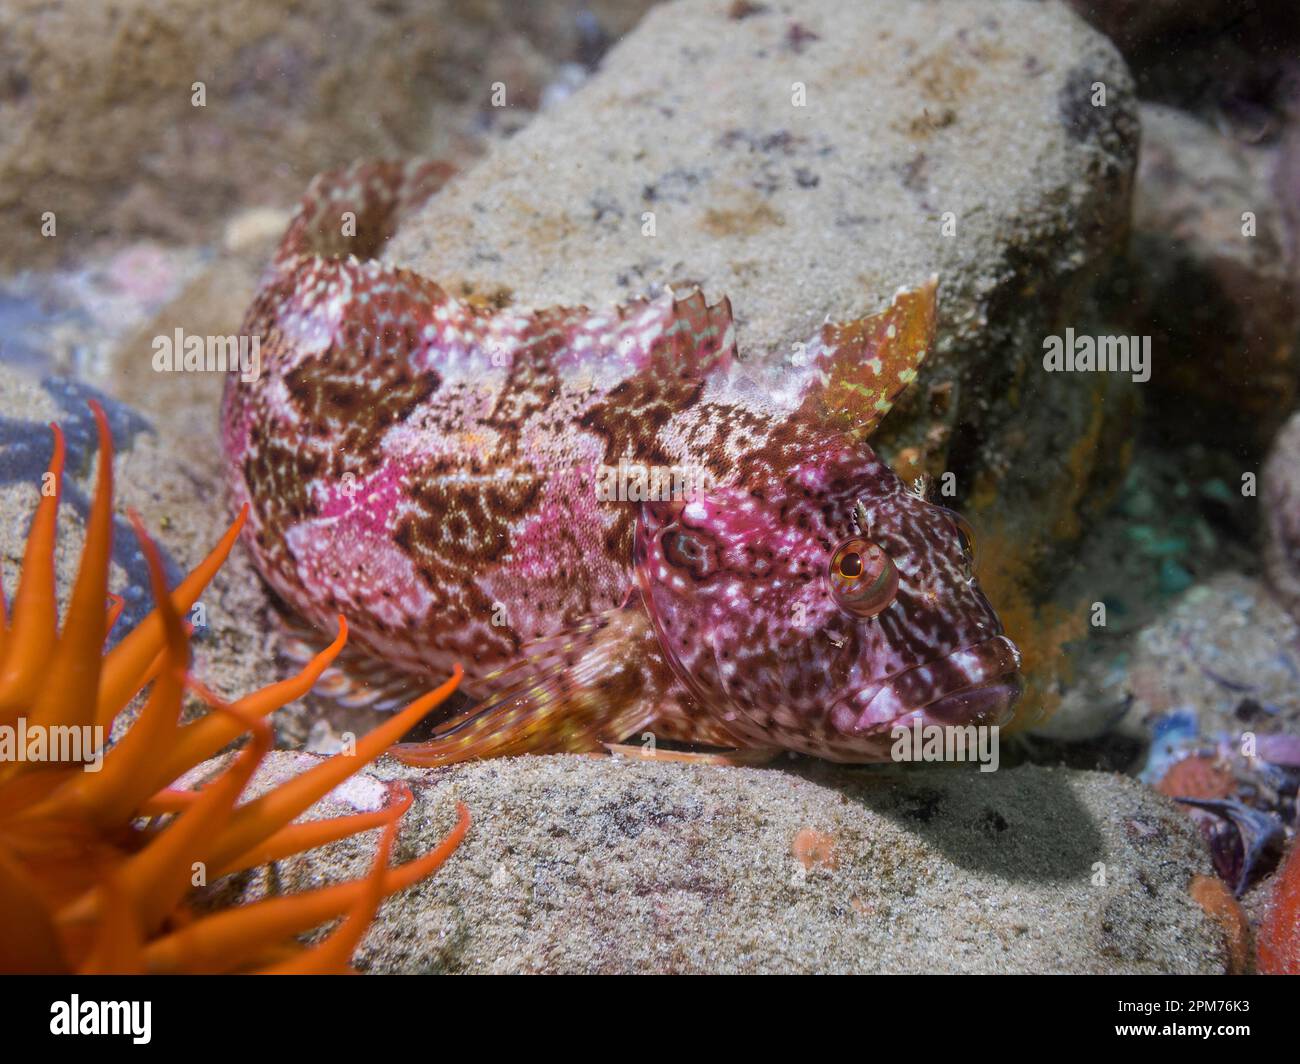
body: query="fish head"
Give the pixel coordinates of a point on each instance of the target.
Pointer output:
(818, 607)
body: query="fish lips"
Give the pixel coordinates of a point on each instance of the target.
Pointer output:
(978, 684)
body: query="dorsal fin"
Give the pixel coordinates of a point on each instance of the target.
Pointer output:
(700, 339)
(857, 369)
(665, 336)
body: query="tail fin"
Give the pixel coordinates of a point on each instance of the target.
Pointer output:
(355, 210)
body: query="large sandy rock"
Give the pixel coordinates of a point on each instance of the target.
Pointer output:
(577, 864)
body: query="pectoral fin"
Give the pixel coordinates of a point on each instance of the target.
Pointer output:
(355, 679)
(570, 693)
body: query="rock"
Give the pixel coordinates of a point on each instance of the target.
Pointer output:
(1135, 24)
(97, 122)
(258, 228)
(1286, 174)
(1280, 498)
(1222, 661)
(1226, 62)
(1210, 280)
(913, 111)
(577, 864)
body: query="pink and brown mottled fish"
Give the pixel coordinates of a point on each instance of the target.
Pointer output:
(439, 472)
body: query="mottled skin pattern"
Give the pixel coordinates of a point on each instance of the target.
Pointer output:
(427, 466)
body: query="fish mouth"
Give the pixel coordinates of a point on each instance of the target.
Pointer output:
(989, 703)
(978, 684)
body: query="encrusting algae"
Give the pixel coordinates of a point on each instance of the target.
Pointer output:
(96, 867)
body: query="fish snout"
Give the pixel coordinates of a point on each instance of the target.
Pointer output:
(978, 684)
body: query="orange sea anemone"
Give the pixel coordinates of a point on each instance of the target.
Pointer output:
(96, 867)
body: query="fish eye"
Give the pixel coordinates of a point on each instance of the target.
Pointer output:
(863, 578)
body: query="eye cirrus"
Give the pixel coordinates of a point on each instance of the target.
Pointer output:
(966, 538)
(863, 579)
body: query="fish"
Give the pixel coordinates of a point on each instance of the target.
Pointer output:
(621, 528)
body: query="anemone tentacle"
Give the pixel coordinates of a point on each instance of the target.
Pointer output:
(95, 867)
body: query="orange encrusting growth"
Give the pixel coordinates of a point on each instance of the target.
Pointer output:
(1279, 934)
(96, 866)
(1210, 893)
